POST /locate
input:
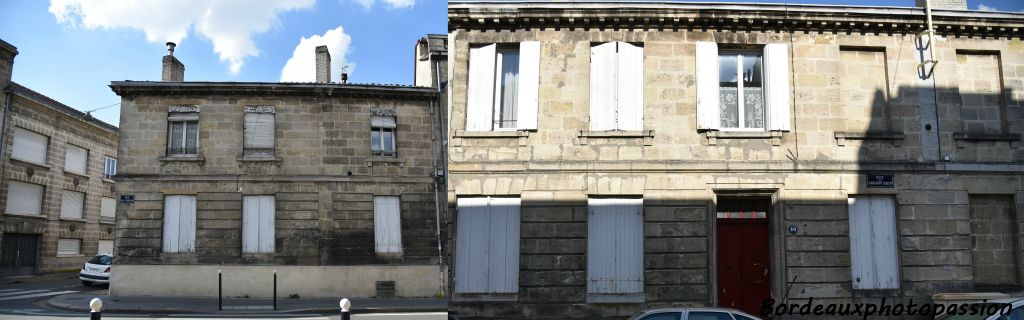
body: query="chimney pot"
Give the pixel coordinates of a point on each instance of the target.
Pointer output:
(323, 65)
(173, 70)
(170, 48)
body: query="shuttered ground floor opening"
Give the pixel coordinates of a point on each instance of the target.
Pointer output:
(18, 254)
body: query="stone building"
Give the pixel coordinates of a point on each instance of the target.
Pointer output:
(611, 157)
(330, 185)
(57, 193)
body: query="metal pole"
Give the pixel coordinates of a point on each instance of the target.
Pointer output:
(345, 305)
(96, 306)
(220, 291)
(275, 290)
(95, 315)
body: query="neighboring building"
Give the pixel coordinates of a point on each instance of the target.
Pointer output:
(330, 184)
(608, 157)
(57, 199)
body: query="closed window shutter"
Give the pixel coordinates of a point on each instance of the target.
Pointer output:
(105, 246)
(24, 198)
(480, 99)
(529, 82)
(72, 204)
(471, 245)
(873, 256)
(708, 115)
(614, 246)
(383, 122)
(259, 130)
(387, 224)
(630, 87)
(603, 67)
(108, 207)
(258, 224)
(776, 69)
(503, 251)
(29, 146)
(69, 247)
(75, 159)
(179, 223)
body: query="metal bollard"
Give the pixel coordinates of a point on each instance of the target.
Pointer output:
(275, 290)
(220, 291)
(345, 305)
(96, 305)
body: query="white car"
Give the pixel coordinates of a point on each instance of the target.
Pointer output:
(97, 270)
(1015, 313)
(695, 314)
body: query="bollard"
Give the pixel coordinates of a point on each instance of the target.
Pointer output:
(220, 291)
(96, 305)
(345, 304)
(275, 290)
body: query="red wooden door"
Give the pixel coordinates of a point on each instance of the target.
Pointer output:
(743, 270)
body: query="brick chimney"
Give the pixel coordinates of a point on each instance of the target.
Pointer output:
(945, 4)
(323, 65)
(174, 70)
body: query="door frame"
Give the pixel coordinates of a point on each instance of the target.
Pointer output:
(776, 239)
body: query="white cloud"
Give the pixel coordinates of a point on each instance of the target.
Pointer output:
(394, 4)
(228, 24)
(982, 7)
(301, 67)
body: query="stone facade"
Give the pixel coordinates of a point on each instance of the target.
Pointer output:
(859, 108)
(63, 126)
(322, 174)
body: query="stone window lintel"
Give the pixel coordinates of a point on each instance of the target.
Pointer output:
(583, 138)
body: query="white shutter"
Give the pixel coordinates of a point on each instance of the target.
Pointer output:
(630, 87)
(71, 204)
(603, 67)
(179, 223)
(259, 130)
(24, 198)
(382, 122)
(105, 246)
(108, 206)
(69, 247)
(708, 115)
(29, 146)
(529, 83)
(258, 217)
(471, 245)
(873, 258)
(503, 252)
(75, 159)
(387, 224)
(480, 88)
(614, 246)
(776, 69)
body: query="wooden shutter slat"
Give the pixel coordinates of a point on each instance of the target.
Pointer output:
(602, 86)
(776, 68)
(172, 211)
(480, 88)
(387, 226)
(187, 224)
(883, 243)
(268, 211)
(471, 245)
(503, 262)
(529, 83)
(708, 114)
(630, 87)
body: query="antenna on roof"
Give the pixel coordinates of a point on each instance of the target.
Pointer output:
(89, 112)
(344, 74)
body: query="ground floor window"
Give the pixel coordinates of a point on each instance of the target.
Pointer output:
(873, 255)
(487, 245)
(615, 246)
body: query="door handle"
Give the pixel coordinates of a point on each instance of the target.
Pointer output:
(765, 272)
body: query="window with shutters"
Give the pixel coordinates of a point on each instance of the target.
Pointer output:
(743, 90)
(76, 159)
(382, 136)
(487, 245)
(873, 254)
(615, 250)
(69, 247)
(24, 198)
(258, 217)
(109, 167)
(259, 131)
(105, 246)
(29, 146)
(503, 87)
(183, 134)
(387, 224)
(179, 223)
(616, 87)
(108, 206)
(72, 204)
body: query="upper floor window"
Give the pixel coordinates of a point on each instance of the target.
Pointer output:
(183, 133)
(29, 146)
(502, 88)
(616, 86)
(259, 131)
(109, 167)
(382, 136)
(76, 159)
(743, 90)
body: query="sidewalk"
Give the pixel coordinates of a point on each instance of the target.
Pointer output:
(79, 302)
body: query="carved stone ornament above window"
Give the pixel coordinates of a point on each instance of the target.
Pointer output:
(183, 108)
(383, 112)
(260, 109)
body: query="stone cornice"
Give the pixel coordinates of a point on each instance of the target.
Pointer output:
(131, 88)
(704, 166)
(491, 15)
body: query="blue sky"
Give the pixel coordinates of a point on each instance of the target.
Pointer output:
(70, 50)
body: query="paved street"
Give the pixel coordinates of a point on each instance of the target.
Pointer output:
(28, 294)
(379, 316)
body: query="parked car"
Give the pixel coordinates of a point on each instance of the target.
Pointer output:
(96, 270)
(694, 314)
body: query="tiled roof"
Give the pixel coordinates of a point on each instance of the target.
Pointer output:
(56, 105)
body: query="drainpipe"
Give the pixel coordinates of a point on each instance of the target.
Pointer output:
(442, 129)
(931, 74)
(437, 203)
(8, 94)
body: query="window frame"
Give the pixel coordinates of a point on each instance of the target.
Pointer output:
(184, 138)
(740, 105)
(381, 152)
(499, 85)
(109, 167)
